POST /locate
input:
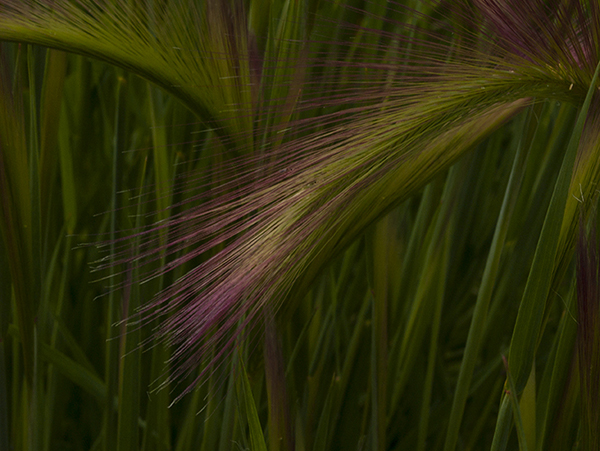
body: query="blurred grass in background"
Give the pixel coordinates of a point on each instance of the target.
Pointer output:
(398, 343)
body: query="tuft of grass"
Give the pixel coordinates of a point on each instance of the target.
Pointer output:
(298, 226)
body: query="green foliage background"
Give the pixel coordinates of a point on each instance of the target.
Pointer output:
(396, 338)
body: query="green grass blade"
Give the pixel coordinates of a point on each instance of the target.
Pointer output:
(516, 409)
(77, 373)
(112, 354)
(229, 414)
(528, 405)
(4, 409)
(503, 425)
(379, 332)
(15, 213)
(477, 327)
(557, 371)
(244, 393)
(529, 320)
(50, 118)
(130, 361)
(351, 360)
(424, 419)
(189, 424)
(67, 176)
(323, 434)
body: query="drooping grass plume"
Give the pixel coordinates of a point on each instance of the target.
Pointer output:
(322, 127)
(335, 181)
(330, 184)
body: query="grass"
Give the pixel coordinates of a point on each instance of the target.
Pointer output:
(287, 225)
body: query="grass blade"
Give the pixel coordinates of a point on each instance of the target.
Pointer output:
(529, 320)
(244, 393)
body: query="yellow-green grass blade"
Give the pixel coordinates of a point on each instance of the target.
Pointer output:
(512, 394)
(247, 403)
(259, 19)
(503, 425)
(527, 406)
